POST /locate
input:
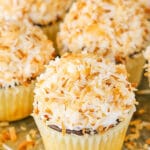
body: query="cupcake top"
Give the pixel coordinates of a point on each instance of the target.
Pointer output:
(24, 49)
(40, 12)
(14, 9)
(147, 57)
(117, 27)
(47, 11)
(83, 91)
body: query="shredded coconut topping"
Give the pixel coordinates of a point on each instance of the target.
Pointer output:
(24, 50)
(147, 66)
(14, 9)
(146, 5)
(40, 12)
(79, 91)
(46, 11)
(118, 27)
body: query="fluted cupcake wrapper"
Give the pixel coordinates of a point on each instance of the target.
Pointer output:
(110, 140)
(135, 67)
(16, 103)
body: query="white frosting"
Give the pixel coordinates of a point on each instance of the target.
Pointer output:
(81, 91)
(116, 27)
(24, 50)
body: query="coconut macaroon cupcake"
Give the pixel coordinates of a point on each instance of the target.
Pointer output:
(45, 13)
(94, 103)
(116, 28)
(24, 50)
(48, 14)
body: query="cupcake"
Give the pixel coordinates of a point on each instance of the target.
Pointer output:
(46, 14)
(24, 50)
(115, 29)
(83, 102)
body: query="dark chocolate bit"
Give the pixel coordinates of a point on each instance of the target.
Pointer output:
(79, 132)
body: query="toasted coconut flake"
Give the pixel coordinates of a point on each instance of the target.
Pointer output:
(12, 132)
(40, 12)
(26, 145)
(4, 124)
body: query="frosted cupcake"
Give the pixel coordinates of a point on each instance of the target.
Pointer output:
(24, 50)
(108, 28)
(83, 102)
(47, 14)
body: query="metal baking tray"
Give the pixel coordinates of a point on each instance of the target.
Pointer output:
(142, 116)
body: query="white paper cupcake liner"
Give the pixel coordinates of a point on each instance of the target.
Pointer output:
(110, 140)
(16, 103)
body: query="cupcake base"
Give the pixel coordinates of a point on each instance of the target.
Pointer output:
(16, 103)
(135, 67)
(110, 140)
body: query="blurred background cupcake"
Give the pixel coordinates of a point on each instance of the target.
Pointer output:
(83, 102)
(47, 14)
(24, 50)
(117, 29)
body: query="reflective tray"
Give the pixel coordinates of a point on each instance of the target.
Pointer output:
(142, 118)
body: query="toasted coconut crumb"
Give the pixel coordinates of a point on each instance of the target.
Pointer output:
(4, 124)
(136, 126)
(141, 111)
(33, 133)
(4, 136)
(26, 145)
(147, 141)
(12, 132)
(130, 145)
(6, 147)
(23, 128)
